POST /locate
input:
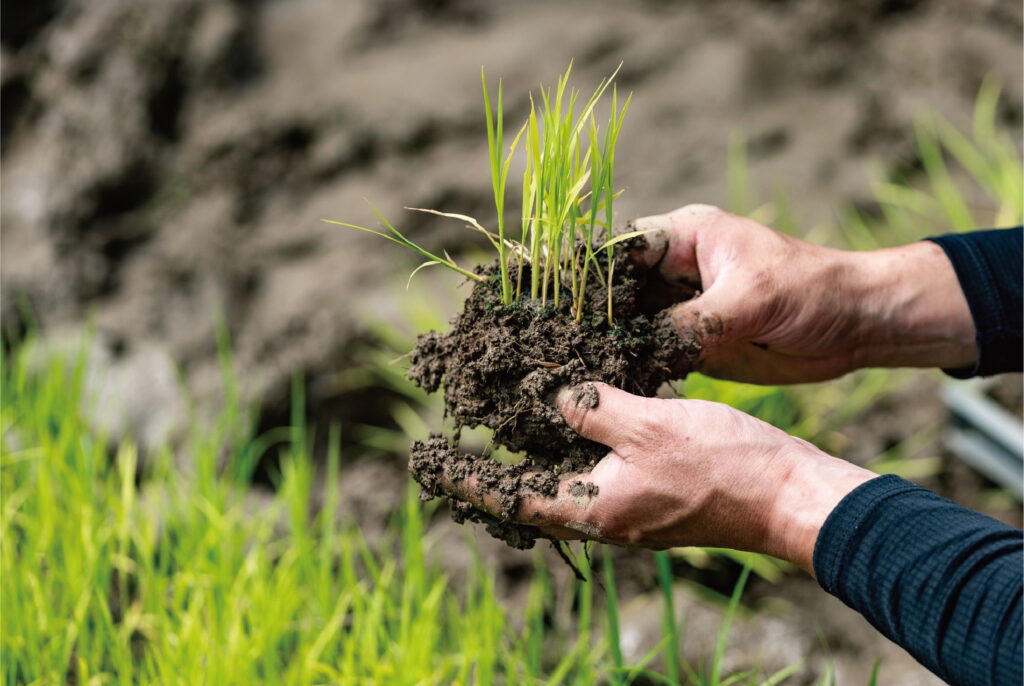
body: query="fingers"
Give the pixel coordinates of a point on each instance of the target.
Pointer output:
(567, 515)
(601, 413)
(598, 505)
(562, 514)
(672, 242)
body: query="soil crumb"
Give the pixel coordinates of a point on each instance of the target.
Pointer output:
(500, 367)
(585, 396)
(583, 489)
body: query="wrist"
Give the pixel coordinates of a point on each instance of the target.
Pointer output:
(909, 308)
(811, 486)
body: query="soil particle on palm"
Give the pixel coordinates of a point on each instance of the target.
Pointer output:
(583, 489)
(585, 396)
(501, 366)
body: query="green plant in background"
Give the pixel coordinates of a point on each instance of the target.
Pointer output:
(121, 569)
(567, 198)
(971, 180)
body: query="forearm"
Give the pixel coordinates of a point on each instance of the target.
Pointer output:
(909, 309)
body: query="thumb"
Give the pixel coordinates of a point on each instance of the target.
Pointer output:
(657, 230)
(680, 262)
(601, 412)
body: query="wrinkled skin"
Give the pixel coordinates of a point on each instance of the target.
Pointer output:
(775, 309)
(771, 309)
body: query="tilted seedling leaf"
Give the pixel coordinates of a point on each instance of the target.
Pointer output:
(567, 194)
(623, 237)
(430, 263)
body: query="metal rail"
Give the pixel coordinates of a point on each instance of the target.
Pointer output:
(985, 435)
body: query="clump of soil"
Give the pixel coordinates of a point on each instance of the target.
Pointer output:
(435, 461)
(501, 366)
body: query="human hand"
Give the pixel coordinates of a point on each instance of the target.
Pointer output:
(774, 309)
(685, 472)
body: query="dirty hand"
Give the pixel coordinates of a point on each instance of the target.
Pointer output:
(774, 309)
(686, 472)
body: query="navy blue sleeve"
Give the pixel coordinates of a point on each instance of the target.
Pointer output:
(990, 268)
(943, 582)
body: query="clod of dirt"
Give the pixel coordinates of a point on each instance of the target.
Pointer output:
(501, 366)
(435, 464)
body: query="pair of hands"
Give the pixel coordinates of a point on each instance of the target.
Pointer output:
(772, 309)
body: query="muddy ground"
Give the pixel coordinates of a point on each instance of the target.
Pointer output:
(166, 164)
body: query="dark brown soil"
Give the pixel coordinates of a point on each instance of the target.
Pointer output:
(434, 461)
(501, 366)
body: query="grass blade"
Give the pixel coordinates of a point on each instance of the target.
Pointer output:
(663, 563)
(723, 632)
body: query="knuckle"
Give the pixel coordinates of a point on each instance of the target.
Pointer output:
(631, 535)
(645, 428)
(613, 531)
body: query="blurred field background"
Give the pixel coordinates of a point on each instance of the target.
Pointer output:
(203, 468)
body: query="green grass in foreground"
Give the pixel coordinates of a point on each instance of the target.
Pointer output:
(119, 570)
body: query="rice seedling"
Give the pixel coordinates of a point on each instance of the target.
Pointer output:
(568, 194)
(814, 413)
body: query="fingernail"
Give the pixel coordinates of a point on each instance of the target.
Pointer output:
(582, 395)
(654, 222)
(656, 236)
(563, 396)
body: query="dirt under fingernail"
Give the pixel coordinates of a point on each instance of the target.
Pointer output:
(586, 396)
